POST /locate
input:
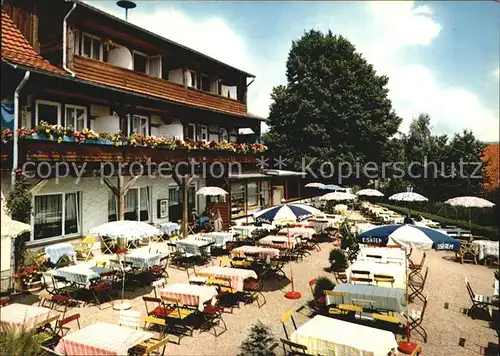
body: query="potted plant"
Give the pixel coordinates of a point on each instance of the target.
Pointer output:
(259, 342)
(30, 277)
(338, 260)
(322, 284)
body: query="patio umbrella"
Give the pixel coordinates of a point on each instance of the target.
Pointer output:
(408, 196)
(211, 191)
(370, 193)
(307, 207)
(290, 212)
(470, 202)
(126, 229)
(339, 196)
(315, 185)
(331, 187)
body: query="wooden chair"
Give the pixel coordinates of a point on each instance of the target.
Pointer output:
(253, 289)
(415, 319)
(84, 251)
(159, 283)
(416, 268)
(224, 261)
(212, 317)
(193, 277)
(319, 302)
(284, 319)
(340, 276)
(417, 287)
(65, 321)
(335, 293)
(153, 322)
(293, 348)
(467, 253)
(386, 322)
(97, 288)
(130, 318)
(45, 332)
(179, 318)
(479, 302)
(150, 347)
(155, 307)
(100, 263)
(161, 270)
(381, 278)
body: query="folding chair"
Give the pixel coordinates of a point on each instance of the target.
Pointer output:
(65, 321)
(60, 300)
(212, 316)
(417, 287)
(276, 266)
(319, 302)
(161, 270)
(100, 263)
(157, 309)
(340, 276)
(156, 323)
(292, 348)
(157, 284)
(193, 277)
(149, 347)
(179, 318)
(45, 332)
(38, 259)
(479, 301)
(64, 287)
(415, 269)
(335, 293)
(253, 288)
(381, 278)
(386, 322)
(85, 250)
(284, 318)
(415, 319)
(98, 288)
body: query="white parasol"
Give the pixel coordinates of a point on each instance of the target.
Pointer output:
(130, 230)
(11, 228)
(470, 202)
(211, 191)
(370, 193)
(408, 196)
(339, 196)
(315, 185)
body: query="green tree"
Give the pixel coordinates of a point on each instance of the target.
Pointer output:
(334, 106)
(18, 202)
(258, 342)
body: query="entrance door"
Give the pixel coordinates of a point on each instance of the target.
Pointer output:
(277, 194)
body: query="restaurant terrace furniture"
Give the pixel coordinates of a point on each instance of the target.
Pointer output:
(329, 336)
(101, 286)
(160, 270)
(219, 238)
(56, 251)
(486, 248)
(236, 275)
(142, 259)
(80, 273)
(18, 316)
(270, 241)
(101, 339)
(190, 294)
(85, 249)
(292, 348)
(302, 230)
(180, 319)
(382, 254)
(244, 231)
(371, 268)
(416, 268)
(264, 253)
(417, 287)
(384, 299)
(319, 302)
(169, 228)
(253, 290)
(479, 302)
(192, 247)
(193, 276)
(415, 319)
(61, 323)
(284, 320)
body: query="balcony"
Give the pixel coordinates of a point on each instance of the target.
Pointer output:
(104, 73)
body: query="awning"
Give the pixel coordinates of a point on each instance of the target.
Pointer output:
(246, 131)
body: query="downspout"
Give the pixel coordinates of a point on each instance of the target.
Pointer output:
(15, 150)
(65, 41)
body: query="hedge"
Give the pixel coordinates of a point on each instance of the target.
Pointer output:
(491, 232)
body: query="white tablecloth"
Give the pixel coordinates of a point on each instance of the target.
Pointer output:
(220, 238)
(394, 255)
(486, 248)
(143, 259)
(80, 273)
(303, 231)
(289, 242)
(169, 227)
(328, 336)
(244, 230)
(190, 294)
(192, 245)
(265, 253)
(397, 271)
(55, 252)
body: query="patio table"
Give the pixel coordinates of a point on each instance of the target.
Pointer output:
(391, 299)
(101, 339)
(192, 245)
(265, 253)
(486, 248)
(398, 271)
(220, 238)
(290, 242)
(237, 275)
(55, 252)
(190, 294)
(328, 336)
(143, 259)
(19, 316)
(169, 227)
(304, 231)
(244, 230)
(80, 273)
(321, 224)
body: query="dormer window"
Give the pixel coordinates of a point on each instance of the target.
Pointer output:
(91, 47)
(140, 62)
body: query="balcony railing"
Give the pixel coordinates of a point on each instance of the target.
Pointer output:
(105, 73)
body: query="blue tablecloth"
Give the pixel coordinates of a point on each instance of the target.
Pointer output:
(392, 299)
(55, 252)
(169, 227)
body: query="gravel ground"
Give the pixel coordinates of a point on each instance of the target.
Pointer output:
(444, 326)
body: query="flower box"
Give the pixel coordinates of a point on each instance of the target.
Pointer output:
(99, 141)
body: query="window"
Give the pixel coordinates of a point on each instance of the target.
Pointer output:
(140, 62)
(137, 205)
(49, 112)
(175, 202)
(253, 194)
(139, 125)
(91, 47)
(191, 132)
(191, 79)
(265, 188)
(202, 132)
(56, 215)
(223, 136)
(76, 117)
(154, 66)
(205, 82)
(237, 199)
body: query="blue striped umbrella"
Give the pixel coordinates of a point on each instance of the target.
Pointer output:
(409, 236)
(282, 212)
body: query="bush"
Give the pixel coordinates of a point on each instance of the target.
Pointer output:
(258, 341)
(20, 343)
(488, 231)
(18, 203)
(337, 259)
(322, 284)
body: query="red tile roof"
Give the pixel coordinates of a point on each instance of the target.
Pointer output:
(17, 50)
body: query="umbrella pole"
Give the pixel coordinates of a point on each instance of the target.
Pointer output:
(292, 294)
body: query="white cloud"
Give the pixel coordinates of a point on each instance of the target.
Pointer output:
(390, 29)
(496, 73)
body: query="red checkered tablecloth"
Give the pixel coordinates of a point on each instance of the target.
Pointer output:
(289, 242)
(237, 275)
(263, 252)
(18, 316)
(190, 294)
(101, 339)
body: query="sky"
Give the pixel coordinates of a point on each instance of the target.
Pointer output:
(441, 57)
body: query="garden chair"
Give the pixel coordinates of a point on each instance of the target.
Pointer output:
(284, 319)
(43, 298)
(180, 318)
(161, 270)
(292, 348)
(130, 318)
(150, 347)
(334, 310)
(157, 284)
(98, 288)
(340, 276)
(38, 259)
(84, 251)
(155, 307)
(153, 322)
(480, 302)
(45, 332)
(60, 301)
(416, 268)
(253, 289)
(319, 302)
(415, 319)
(63, 287)
(276, 266)
(65, 321)
(417, 287)
(212, 316)
(193, 277)
(224, 261)
(386, 322)
(100, 263)
(467, 253)
(383, 279)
